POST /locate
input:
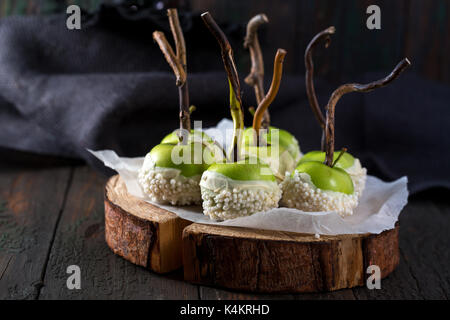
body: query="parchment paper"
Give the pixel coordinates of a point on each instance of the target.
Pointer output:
(378, 209)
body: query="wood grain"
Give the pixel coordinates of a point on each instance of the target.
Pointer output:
(423, 272)
(140, 232)
(80, 240)
(30, 262)
(269, 261)
(30, 205)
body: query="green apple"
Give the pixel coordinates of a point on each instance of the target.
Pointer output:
(327, 178)
(288, 150)
(244, 170)
(279, 163)
(172, 138)
(191, 159)
(286, 140)
(345, 162)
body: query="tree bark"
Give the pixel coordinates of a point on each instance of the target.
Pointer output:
(140, 232)
(271, 261)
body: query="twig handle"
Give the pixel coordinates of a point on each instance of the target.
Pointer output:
(227, 53)
(170, 56)
(271, 94)
(309, 66)
(251, 42)
(352, 87)
(178, 64)
(237, 112)
(177, 34)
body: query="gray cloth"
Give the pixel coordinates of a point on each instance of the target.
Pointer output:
(107, 86)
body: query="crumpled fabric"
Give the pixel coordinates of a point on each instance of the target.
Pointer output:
(107, 86)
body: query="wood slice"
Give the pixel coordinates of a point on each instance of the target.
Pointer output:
(144, 234)
(272, 261)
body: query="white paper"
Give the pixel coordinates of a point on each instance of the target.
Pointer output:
(378, 209)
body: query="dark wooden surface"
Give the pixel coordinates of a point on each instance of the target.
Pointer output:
(51, 216)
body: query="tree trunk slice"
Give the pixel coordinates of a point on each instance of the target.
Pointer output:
(140, 232)
(273, 261)
(241, 258)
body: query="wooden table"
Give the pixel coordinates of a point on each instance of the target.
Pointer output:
(51, 216)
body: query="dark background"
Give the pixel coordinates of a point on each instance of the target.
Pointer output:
(413, 28)
(108, 86)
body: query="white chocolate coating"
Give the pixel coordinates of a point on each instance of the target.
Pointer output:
(167, 185)
(224, 198)
(358, 175)
(299, 192)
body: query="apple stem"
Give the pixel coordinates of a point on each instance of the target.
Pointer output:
(352, 87)
(271, 94)
(178, 64)
(343, 150)
(256, 76)
(237, 113)
(310, 91)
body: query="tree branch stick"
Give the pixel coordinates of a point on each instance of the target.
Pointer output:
(178, 64)
(178, 37)
(170, 56)
(343, 150)
(310, 91)
(237, 113)
(256, 76)
(352, 87)
(183, 91)
(271, 94)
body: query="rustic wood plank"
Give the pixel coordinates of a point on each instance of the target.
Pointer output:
(442, 255)
(31, 201)
(346, 294)
(423, 272)
(80, 241)
(211, 293)
(400, 284)
(425, 246)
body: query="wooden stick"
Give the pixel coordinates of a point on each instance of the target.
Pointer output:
(177, 34)
(183, 91)
(256, 76)
(271, 94)
(310, 91)
(352, 87)
(237, 113)
(343, 150)
(170, 56)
